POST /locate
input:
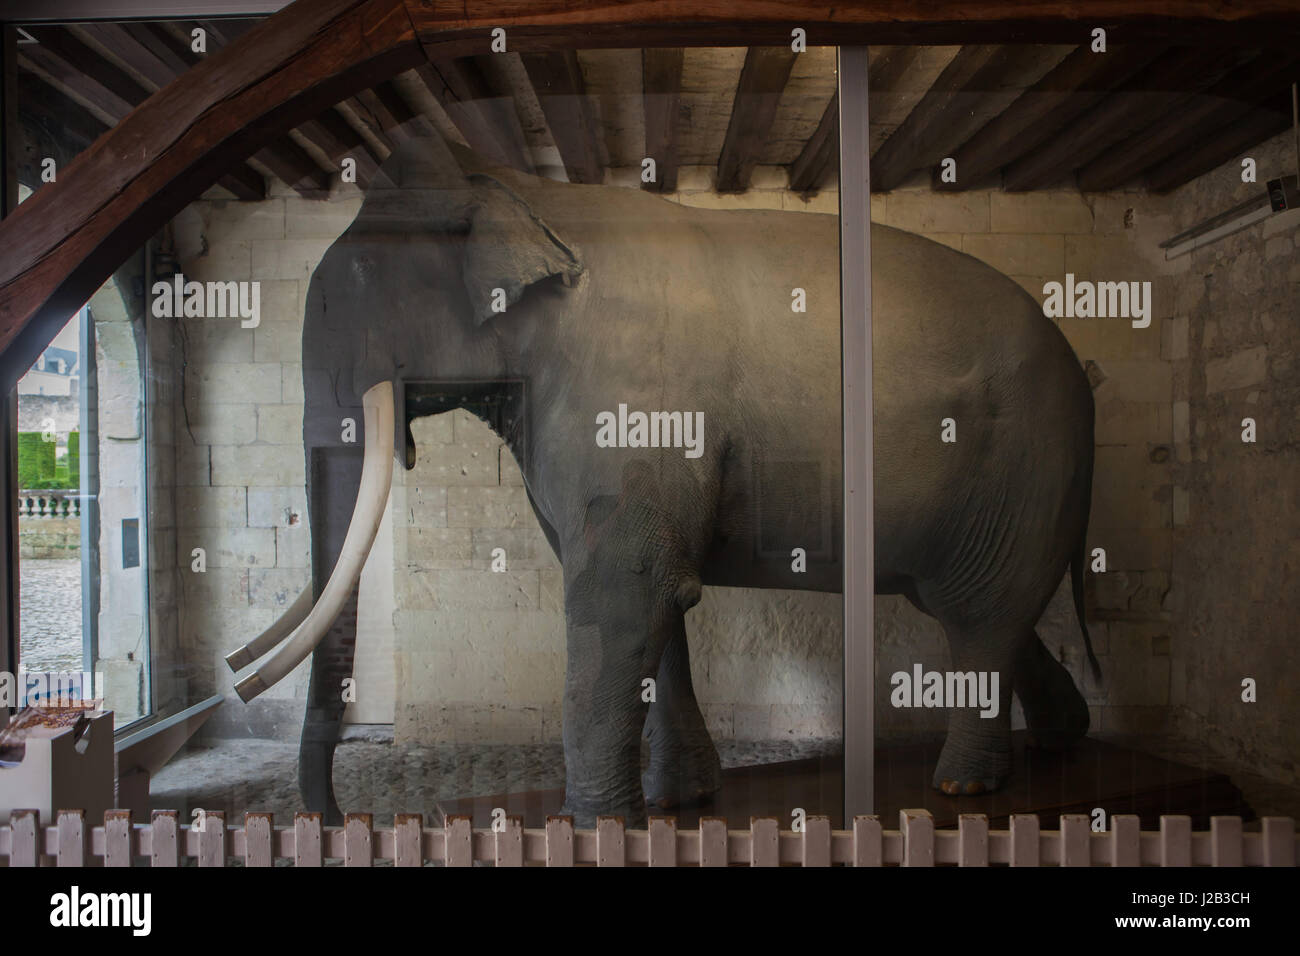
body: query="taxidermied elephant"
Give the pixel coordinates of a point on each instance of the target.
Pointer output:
(613, 297)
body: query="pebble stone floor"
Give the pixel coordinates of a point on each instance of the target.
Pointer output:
(383, 778)
(49, 601)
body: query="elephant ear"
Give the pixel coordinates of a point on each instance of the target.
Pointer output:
(508, 248)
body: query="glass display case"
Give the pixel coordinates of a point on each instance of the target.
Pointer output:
(543, 432)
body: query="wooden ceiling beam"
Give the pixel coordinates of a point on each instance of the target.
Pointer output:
(52, 126)
(338, 140)
(661, 90)
(70, 66)
(55, 111)
(489, 124)
(119, 41)
(979, 83)
(114, 92)
(562, 93)
(1078, 83)
(227, 30)
(293, 165)
(384, 110)
(1160, 88)
(244, 182)
(463, 29)
(286, 160)
(163, 44)
(1185, 129)
(822, 151)
(1225, 144)
(62, 243)
(888, 66)
(762, 81)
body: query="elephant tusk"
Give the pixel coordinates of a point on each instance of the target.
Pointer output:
(376, 479)
(273, 635)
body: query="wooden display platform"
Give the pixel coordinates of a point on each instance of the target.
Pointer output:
(1093, 774)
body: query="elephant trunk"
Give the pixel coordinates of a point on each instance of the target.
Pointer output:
(376, 479)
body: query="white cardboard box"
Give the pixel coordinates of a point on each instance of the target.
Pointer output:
(61, 773)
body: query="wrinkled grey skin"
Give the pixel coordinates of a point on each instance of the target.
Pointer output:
(619, 296)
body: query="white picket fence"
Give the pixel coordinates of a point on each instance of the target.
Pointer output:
(165, 842)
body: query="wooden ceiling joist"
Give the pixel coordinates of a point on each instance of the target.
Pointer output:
(163, 44)
(1185, 129)
(119, 42)
(56, 112)
(822, 151)
(338, 141)
(979, 83)
(762, 80)
(661, 80)
(384, 110)
(1232, 142)
(82, 73)
(1157, 91)
(489, 124)
(557, 80)
(294, 166)
(1076, 84)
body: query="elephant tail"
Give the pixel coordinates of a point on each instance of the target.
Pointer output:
(1076, 585)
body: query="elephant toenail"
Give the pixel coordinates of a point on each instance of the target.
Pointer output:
(949, 787)
(974, 787)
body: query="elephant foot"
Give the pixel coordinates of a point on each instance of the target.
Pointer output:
(971, 770)
(690, 780)
(1055, 711)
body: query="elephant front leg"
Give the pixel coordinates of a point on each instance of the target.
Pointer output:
(976, 757)
(615, 640)
(684, 766)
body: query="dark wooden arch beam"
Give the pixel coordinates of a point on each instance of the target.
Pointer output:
(135, 178)
(60, 245)
(115, 93)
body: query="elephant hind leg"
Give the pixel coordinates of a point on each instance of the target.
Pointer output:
(684, 766)
(1055, 711)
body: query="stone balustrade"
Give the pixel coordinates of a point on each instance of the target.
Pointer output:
(49, 503)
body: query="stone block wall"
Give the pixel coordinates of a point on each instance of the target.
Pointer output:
(1236, 550)
(239, 474)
